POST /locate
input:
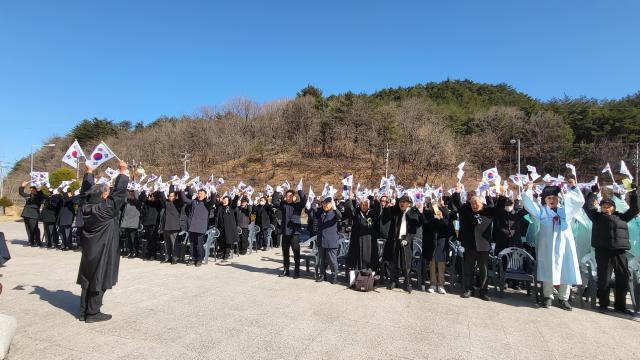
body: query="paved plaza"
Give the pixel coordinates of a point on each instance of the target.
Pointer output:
(241, 309)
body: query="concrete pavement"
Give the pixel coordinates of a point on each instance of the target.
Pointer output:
(241, 310)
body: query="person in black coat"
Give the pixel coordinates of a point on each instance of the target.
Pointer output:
(100, 235)
(264, 219)
(130, 222)
(65, 218)
(291, 209)
(403, 224)
(172, 210)
(379, 204)
(509, 225)
(227, 223)
(151, 207)
(327, 239)
(610, 238)
(31, 212)
(363, 246)
(475, 235)
(197, 222)
(436, 232)
(49, 216)
(244, 219)
(311, 210)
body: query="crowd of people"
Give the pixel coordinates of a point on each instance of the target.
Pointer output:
(539, 218)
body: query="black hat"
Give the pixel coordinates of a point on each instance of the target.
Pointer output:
(405, 198)
(607, 202)
(550, 191)
(328, 199)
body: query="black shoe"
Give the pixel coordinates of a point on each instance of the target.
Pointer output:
(164, 261)
(189, 263)
(333, 280)
(603, 309)
(466, 294)
(564, 305)
(484, 297)
(296, 274)
(546, 303)
(198, 263)
(284, 273)
(174, 261)
(319, 279)
(97, 317)
(407, 288)
(391, 285)
(626, 312)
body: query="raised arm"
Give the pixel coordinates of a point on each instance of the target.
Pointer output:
(532, 206)
(573, 202)
(119, 193)
(633, 210)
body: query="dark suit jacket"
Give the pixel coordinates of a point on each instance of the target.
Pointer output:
(475, 227)
(32, 206)
(328, 228)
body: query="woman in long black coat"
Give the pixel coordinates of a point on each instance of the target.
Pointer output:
(100, 243)
(227, 223)
(363, 246)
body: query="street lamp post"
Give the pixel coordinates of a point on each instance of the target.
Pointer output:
(48, 145)
(517, 141)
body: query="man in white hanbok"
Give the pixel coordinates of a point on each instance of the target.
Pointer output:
(556, 248)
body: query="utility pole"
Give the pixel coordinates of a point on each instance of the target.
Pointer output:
(386, 160)
(185, 159)
(517, 141)
(1, 179)
(637, 160)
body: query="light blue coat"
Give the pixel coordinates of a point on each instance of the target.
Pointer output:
(556, 248)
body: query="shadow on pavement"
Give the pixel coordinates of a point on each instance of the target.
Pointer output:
(62, 299)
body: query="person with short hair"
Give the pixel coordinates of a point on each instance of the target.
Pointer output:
(328, 240)
(403, 223)
(475, 235)
(31, 212)
(197, 223)
(100, 237)
(610, 238)
(291, 208)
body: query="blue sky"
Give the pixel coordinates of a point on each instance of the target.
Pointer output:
(63, 61)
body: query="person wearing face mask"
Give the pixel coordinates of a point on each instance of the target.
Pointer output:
(264, 218)
(328, 240)
(436, 232)
(290, 208)
(475, 235)
(100, 262)
(557, 260)
(244, 219)
(403, 224)
(508, 226)
(171, 223)
(610, 238)
(227, 223)
(151, 208)
(363, 246)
